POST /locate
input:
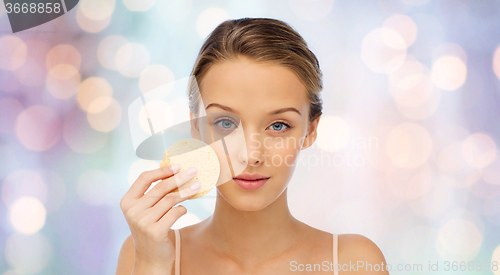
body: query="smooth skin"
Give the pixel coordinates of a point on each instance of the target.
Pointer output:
(250, 232)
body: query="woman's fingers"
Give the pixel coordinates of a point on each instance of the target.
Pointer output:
(146, 178)
(169, 218)
(167, 203)
(164, 187)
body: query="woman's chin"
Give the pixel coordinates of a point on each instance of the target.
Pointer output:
(245, 201)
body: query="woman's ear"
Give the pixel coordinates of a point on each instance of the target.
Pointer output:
(312, 133)
(195, 127)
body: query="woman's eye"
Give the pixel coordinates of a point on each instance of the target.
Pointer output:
(224, 124)
(279, 126)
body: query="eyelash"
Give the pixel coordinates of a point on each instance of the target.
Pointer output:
(288, 125)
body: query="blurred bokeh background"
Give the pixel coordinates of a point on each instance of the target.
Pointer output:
(407, 152)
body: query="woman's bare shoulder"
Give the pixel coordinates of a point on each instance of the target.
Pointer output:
(356, 248)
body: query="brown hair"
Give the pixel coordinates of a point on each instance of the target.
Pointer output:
(260, 39)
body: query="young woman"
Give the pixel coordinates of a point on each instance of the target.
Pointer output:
(261, 71)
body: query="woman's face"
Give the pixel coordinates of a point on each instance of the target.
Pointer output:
(261, 112)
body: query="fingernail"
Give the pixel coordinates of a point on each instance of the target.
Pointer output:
(191, 171)
(195, 186)
(175, 168)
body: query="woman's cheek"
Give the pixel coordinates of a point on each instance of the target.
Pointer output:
(289, 159)
(283, 157)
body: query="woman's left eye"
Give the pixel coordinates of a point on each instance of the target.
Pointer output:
(279, 126)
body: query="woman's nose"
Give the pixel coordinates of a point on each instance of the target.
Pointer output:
(251, 153)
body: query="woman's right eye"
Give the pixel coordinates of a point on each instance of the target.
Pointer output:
(224, 124)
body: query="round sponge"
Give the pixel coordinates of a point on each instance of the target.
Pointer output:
(194, 152)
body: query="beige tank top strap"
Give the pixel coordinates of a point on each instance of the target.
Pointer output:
(335, 253)
(177, 252)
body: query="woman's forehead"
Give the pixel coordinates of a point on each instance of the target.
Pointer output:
(246, 82)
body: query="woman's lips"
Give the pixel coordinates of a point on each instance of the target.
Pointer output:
(250, 184)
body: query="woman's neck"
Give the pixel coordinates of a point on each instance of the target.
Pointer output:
(252, 236)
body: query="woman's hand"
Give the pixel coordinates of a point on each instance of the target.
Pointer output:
(151, 215)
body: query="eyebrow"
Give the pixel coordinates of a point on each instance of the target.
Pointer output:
(275, 112)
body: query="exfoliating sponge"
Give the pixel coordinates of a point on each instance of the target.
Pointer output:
(194, 152)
